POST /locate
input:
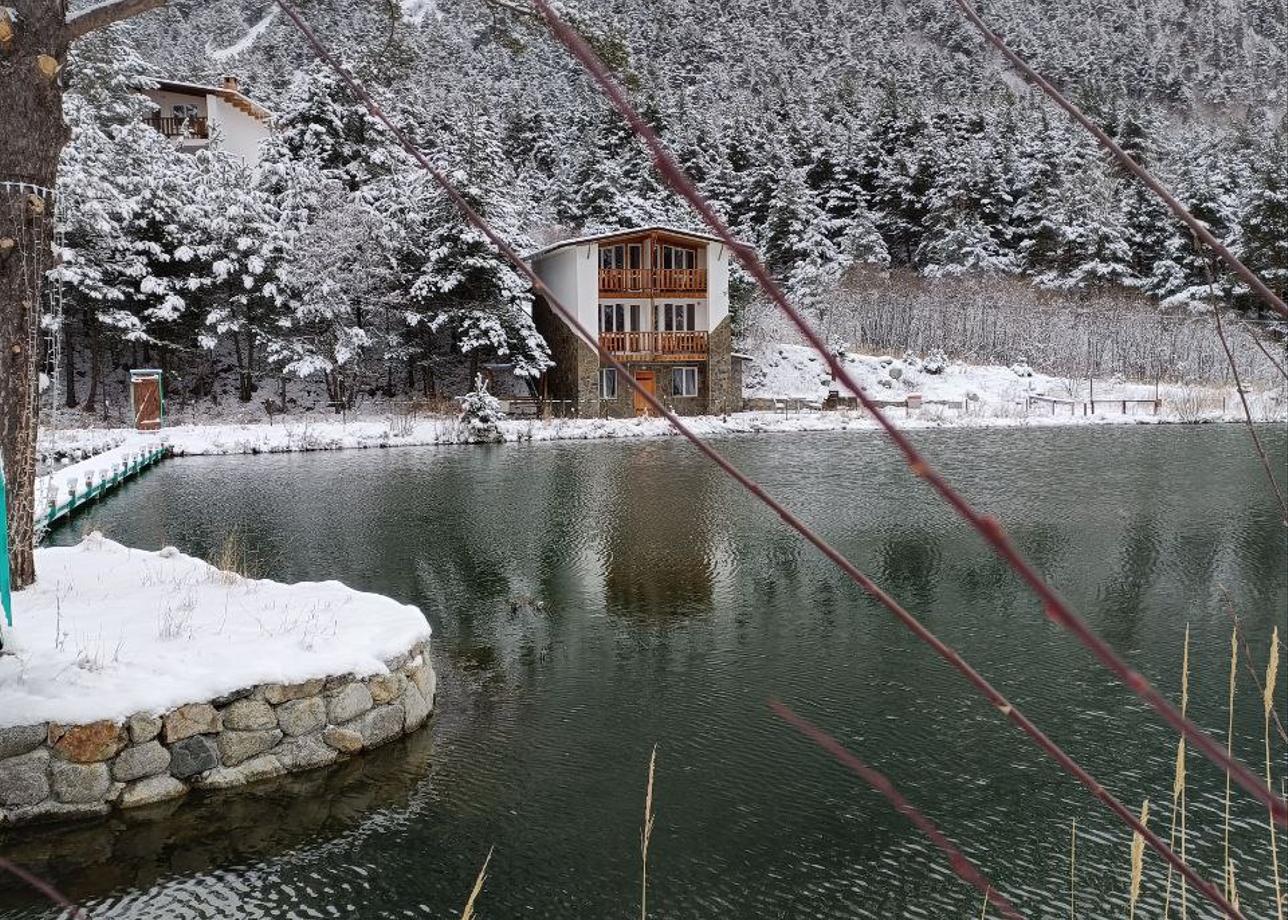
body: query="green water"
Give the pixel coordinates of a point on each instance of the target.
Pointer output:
(674, 608)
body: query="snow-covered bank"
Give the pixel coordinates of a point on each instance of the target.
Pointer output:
(790, 380)
(108, 631)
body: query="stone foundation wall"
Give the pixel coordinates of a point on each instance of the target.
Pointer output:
(52, 772)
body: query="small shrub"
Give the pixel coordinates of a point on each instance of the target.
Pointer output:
(481, 414)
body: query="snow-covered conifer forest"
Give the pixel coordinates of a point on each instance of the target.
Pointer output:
(886, 166)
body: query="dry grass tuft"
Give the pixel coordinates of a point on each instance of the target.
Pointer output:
(233, 559)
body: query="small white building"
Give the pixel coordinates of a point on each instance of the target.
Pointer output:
(191, 114)
(658, 300)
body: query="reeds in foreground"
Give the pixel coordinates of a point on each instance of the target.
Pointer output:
(1073, 862)
(1230, 891)
(1178, 789)
(1137, 860)
(646, 834)
(1272, 673)
(468, 912)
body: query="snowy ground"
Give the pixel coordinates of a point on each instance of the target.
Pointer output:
(789, 379)
(109, 631)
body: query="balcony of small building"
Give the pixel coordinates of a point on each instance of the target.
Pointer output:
(653, 282)
(655, 346)
(184, 128)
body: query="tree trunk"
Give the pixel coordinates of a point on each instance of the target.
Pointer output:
(32, 135)
(69, 367)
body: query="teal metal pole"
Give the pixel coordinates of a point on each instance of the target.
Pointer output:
(6, 601)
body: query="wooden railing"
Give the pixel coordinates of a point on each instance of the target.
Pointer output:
(645, 280)
(656, 345)
(174, 126)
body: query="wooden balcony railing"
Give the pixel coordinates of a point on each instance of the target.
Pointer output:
(174, 126)
(656, 346)
(656, 280)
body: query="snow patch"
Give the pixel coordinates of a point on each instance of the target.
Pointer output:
(108, 631)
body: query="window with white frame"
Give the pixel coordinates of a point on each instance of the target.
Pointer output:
(684, 381)
(608, 383)
(612, 317)
(677, 317)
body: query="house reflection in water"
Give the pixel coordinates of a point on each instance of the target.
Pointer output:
(658, 534)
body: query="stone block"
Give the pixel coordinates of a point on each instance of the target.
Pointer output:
(24, 780)
(190, 720)
(90, 743)
(148, 759)
(415, 708)
(348, 702)
(306, 753)
(21, 739)
(385, 688)
(143, 727)
(299, 717)
(344, 740)
(151, 790)
(51, 811)
(250, 716)
(236, 747)
(284, 693)
(192, 756)
(266, 766)
(382, 724)
(79, 783)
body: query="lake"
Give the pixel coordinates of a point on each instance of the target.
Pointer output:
(667, 609)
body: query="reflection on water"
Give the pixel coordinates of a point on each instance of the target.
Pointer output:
(133, 850)
(667, 608)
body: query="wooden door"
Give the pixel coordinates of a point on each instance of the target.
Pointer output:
(147, 403)
(646, 382)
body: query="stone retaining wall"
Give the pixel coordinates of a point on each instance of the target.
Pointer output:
(52, 772)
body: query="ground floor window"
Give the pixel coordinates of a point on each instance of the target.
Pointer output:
(684, 381)
(608, 383)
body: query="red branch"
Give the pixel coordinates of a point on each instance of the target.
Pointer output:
(912, 623)
(42, 886)
(988, 527)
(963, 867)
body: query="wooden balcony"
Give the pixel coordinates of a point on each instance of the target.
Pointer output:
(651, 282)
(656, 346)
(173, 126)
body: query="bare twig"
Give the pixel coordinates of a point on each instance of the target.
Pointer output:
(1243, 398)
(1248, 661)
(1252, 334)
(105, 14)
(1197, 227)
(988, 527)
(941, 648)
(961, 866)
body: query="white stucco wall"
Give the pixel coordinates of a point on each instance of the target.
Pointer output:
(573, 277)
(717, 283)
(238, 133)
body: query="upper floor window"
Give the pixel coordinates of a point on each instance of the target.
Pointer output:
(185, 110)
(623, 255)
(678, 257)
